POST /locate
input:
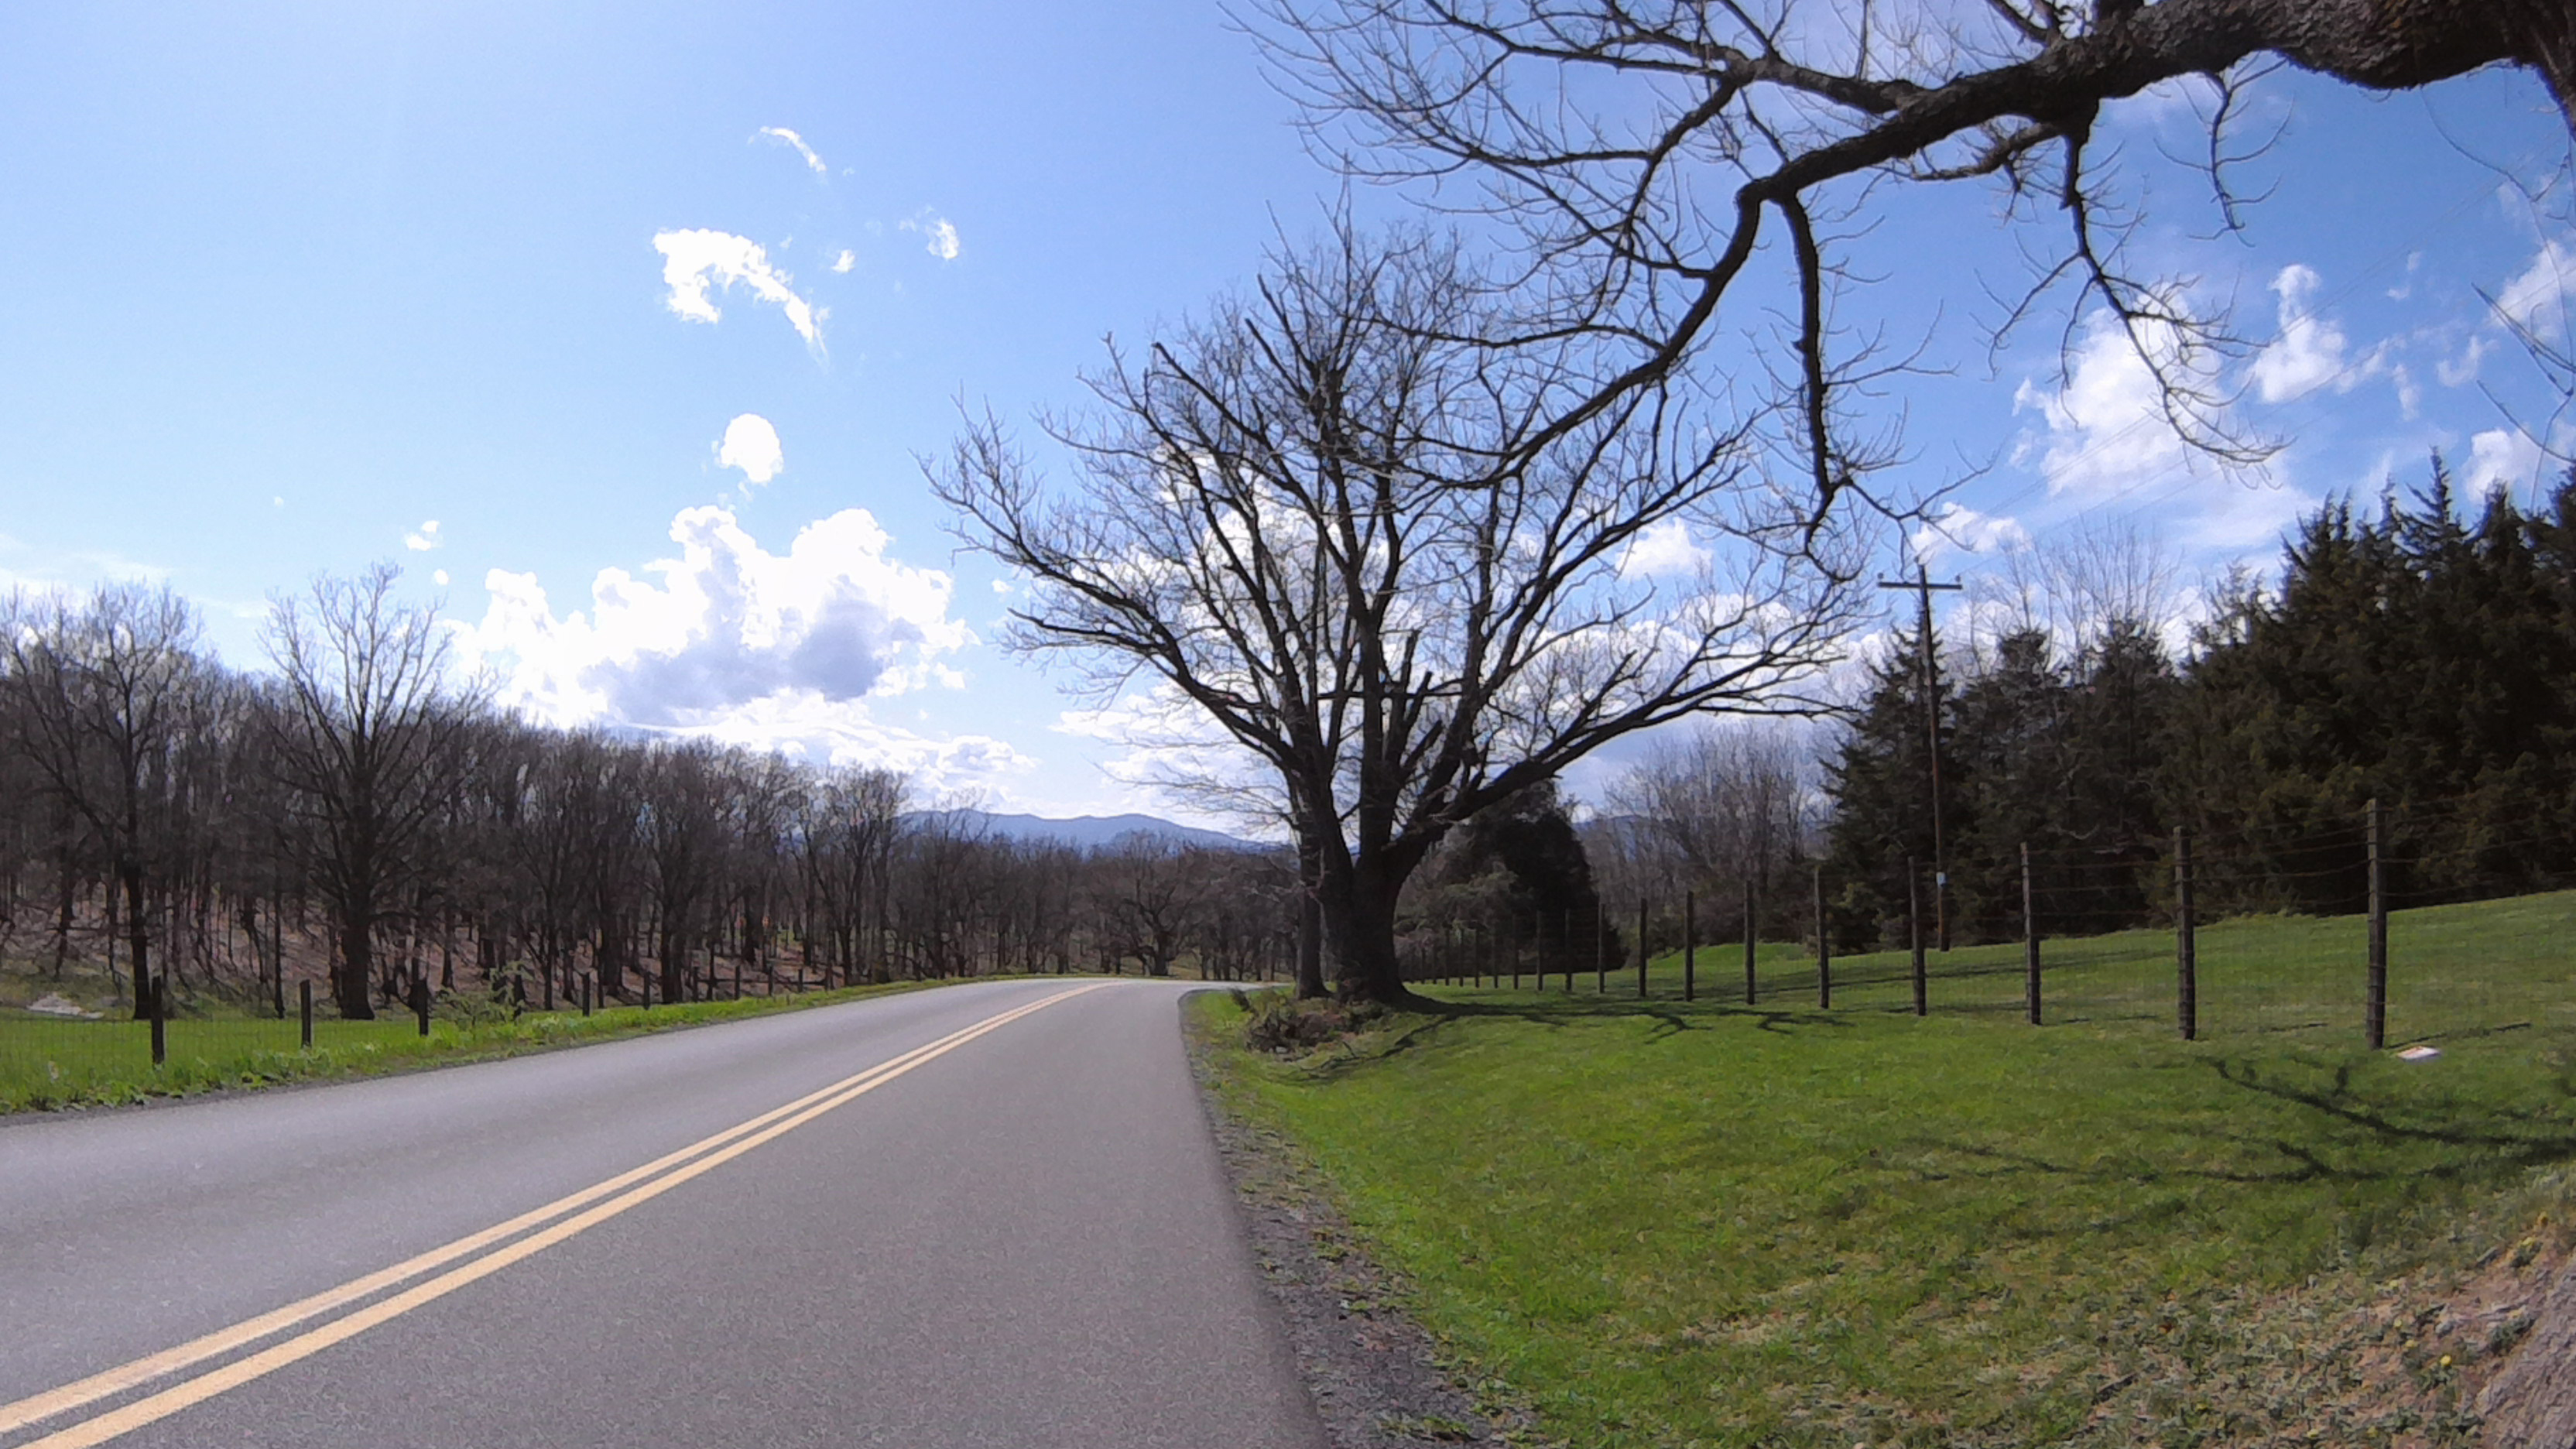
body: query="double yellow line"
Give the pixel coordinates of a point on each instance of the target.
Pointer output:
(624, 1191)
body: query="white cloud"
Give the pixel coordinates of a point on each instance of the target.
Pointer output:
(439, 577)
(751, 445)
(423, 538)
(2310, 352)
(1663, 548)
(277, 500)
(2537, 300)
(2464, 371)
(727, 636)
(2107, 432)
(846, 260)
(1957, 527)
(813, 162)
(938, 235)
(695, 259)
(2501, 460)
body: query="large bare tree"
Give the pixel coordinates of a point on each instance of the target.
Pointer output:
(1319, 520)
(1673, 164)
(368, 740)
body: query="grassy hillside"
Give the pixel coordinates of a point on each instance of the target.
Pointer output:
(1674, 1224)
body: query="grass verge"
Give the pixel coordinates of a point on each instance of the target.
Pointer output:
(47, 1064)
(1703, 1224)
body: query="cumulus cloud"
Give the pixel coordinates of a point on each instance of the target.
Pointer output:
(2106, 430)
(696, 260)
(724, 627)
(938, 235)
(2501, 460)
(2311, 350)
(751, 445)
(846, 260)
(790, 651)
(439, 577)
(1663, 548)
(2106, 439)
(423, 538)
(786, 137)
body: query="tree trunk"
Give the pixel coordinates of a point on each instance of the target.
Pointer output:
(2532, 1403)
(357, 967)
(1359, 928)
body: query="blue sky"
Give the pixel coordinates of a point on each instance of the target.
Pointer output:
(298, 280)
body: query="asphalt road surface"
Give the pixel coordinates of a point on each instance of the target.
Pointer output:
(969, 1228)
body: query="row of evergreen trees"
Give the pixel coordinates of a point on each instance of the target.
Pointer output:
(2412, 657)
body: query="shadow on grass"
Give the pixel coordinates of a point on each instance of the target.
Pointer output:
(2336, 1130)
(1670, 1018)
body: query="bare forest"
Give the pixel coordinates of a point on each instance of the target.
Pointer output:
(358, 818)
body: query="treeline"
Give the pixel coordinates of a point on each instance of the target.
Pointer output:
(360, 817)
(2406, 655)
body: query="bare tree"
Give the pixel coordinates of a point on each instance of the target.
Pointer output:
(1715, 810)
(1315, 517)
(103, 696)
(367, 741)
(1646, 152)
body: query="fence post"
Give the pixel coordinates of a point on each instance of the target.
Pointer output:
(2377, 1014)
(158, 984)
(1690, 944)
(1914, 934)
(1515, 948)
(304, 1009)
(1600, 947)
(2029, 938)
(1641, 948)
(587, 981)
(1752, 936)
(1824, 948)
(420, 1000)
(2186, 949)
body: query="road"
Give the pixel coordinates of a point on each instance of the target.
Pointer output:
(1018, 1237)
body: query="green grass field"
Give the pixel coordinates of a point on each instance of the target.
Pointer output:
(1662, 1224)
(2453, 969)
(47, 1062)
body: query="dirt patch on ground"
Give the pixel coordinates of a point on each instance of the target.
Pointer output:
(1375, 1376)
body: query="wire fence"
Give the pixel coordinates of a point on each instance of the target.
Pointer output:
(2424, 956)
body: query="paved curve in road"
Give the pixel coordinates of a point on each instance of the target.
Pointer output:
(1021, 1239)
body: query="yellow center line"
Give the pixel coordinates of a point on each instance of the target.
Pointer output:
(743, 1137)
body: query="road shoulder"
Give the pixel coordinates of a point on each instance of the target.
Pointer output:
(1375, 1376)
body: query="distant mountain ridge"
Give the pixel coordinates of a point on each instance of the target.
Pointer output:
(1089, 832)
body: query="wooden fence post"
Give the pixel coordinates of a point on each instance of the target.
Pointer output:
(1752, 937)
(1690, 945)
(1641, 948)
(156, 985)
(1600, 946)
(304, 1009)
(1914, 934)
(420, 1000)
(589, 981)
(2186, 948)
(1824, 947)
(2376, 1015)
(2029, 938)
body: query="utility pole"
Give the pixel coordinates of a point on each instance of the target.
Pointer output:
(1922, 587)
